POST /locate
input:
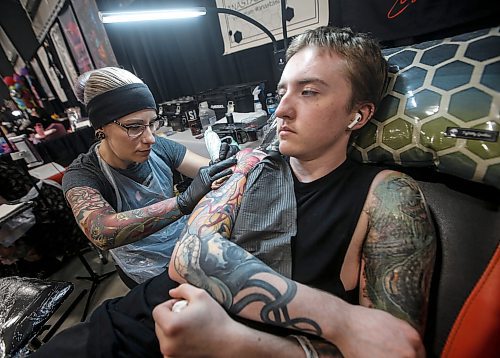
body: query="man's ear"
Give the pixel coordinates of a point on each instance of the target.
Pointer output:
(366, 111)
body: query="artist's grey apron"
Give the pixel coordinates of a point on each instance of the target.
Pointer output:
(149, 256)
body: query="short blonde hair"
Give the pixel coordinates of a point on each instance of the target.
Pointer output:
(96, 82)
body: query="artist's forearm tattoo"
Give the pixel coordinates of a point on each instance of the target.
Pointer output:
(207, 259)
(399, 251)
(108, 229)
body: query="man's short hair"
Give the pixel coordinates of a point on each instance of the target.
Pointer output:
(366, 67)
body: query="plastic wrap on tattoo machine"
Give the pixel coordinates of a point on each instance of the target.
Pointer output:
(212, 141)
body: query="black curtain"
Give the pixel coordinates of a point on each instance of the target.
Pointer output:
(413, 20)
(184, 57)
(17, 25)
(5, 70)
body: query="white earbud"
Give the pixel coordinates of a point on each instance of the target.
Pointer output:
(355, 121)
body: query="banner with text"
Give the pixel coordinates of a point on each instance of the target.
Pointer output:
(239, 34)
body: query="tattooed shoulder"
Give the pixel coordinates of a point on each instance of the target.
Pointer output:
(399, 251)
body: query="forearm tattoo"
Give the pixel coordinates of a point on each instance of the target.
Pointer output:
(107, 228)
(399, 251)
(240, 282)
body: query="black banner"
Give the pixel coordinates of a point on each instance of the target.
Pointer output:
(399, 19)
(16, 24)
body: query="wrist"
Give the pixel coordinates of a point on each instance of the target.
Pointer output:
(342, 333)
(181, 205)
(342, 329)
(246, 342)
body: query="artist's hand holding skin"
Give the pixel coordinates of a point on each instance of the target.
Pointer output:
(204, 329)
(202, 184)
(226, 151)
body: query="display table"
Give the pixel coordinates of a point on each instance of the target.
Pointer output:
(52, 171)
(65, 149)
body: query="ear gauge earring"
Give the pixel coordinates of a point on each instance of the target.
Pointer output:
(100, 135)
(355, 121)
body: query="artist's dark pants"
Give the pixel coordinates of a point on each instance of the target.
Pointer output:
(120, 327)
(124, 326)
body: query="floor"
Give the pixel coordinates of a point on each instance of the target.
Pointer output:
(109, 287)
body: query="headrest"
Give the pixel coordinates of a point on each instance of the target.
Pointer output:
(441, 109)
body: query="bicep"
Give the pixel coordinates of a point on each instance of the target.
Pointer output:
(398, 253)
(191, 163)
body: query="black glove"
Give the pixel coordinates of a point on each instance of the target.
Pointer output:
(226, 150)
(202, 184)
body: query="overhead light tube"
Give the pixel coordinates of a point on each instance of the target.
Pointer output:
(165, 14)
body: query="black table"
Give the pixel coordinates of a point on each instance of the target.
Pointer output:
(65, 149)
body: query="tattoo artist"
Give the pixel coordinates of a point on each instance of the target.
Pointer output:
(121, 190)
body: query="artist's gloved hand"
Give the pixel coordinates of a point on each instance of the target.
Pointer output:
(202, 184)
(226, 150)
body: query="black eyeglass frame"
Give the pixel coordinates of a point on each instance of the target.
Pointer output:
(157, 122)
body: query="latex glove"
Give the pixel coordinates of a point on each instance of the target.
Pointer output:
(201, 329)
(202, 184)
(226, 151)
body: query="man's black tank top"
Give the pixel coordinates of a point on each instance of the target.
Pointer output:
(328, 210)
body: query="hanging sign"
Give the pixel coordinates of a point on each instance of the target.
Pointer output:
(239, 34)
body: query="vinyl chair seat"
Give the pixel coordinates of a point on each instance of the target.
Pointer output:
(26, 304)
(467, 220)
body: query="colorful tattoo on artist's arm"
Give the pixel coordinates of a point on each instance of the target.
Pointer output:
(108, 229)
(243, 284)
(398, 254)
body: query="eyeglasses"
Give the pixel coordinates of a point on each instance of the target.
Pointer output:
(136, 130)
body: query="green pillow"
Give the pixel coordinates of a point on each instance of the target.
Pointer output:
(441, 109)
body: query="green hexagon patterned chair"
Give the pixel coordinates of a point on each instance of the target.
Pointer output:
(441, 109)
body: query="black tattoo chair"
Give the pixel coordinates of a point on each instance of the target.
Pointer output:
(464, 307)
(26, 304)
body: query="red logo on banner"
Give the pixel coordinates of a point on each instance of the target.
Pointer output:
(398, 7)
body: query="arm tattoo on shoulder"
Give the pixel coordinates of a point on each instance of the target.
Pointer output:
(108, 229)
(207, 259)
(399, 251)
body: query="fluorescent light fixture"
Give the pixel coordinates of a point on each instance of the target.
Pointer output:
(165, 14)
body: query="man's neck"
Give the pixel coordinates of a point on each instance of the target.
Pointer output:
(308, 171)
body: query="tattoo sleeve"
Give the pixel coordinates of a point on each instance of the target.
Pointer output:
(243, 284)
(398, 254)
(108, 229)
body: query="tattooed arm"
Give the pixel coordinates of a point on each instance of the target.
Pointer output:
(247, 287)
(108, 229)
(203, 321)
(398, 253)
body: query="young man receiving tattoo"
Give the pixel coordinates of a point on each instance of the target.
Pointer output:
(358, 228)
(350, 228)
